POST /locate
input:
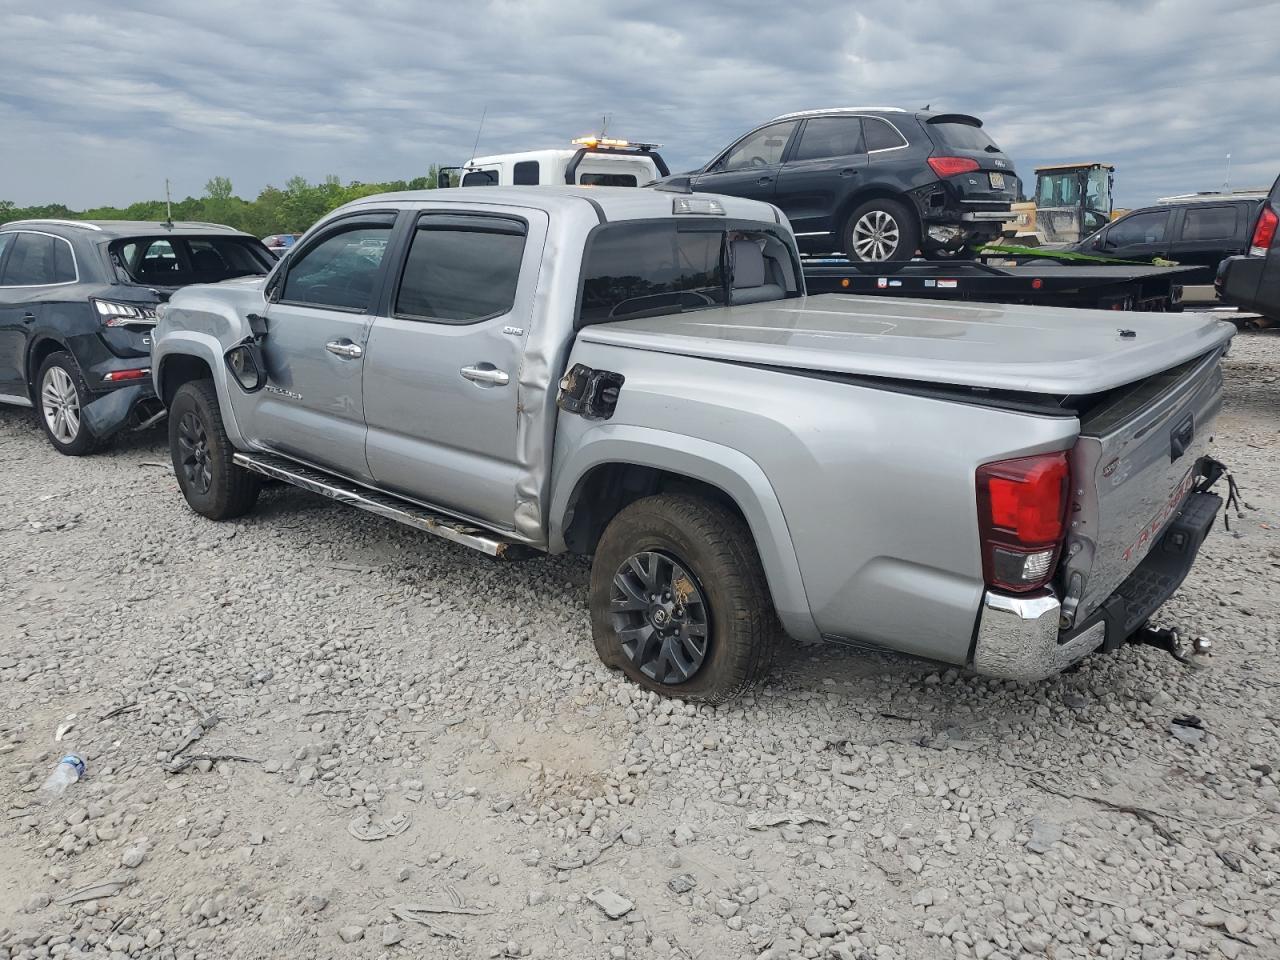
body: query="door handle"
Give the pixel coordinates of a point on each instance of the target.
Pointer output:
(487, 375)
(848, 172)
(764, 181)
(28, 318)
(344, 348)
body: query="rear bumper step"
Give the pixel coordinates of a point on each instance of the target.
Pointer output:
(385, 505)
(1018, 636)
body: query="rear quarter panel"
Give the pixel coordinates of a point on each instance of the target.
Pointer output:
(876, 488)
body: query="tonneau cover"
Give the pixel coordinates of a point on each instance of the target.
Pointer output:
(1043, 350)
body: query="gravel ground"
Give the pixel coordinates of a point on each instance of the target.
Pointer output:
(411, 750)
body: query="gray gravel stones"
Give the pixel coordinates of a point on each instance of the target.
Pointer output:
(857, 806)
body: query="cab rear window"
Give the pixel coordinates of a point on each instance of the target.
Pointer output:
(178, 261)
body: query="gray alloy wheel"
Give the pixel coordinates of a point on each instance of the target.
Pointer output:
(60, 405)
(876, 236)
(660, 616)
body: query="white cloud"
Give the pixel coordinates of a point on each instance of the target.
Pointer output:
(101, 104)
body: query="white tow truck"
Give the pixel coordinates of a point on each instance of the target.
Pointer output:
(588, 162)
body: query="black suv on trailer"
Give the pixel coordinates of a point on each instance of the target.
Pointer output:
(77, 303)
(877, 183)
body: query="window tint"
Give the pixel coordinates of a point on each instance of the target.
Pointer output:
(37, 259)
(650, 268)
(340, 271)
(830, 137)
(480, 178)
(881, 135)
(525, 173)
(608, 179)
(5, 240)
(461, 269)
(961, 136)
(1139, 228)
(762, 148)
(1209, 223)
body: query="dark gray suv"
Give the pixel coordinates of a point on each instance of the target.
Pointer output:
(877, 183)
(77, 303)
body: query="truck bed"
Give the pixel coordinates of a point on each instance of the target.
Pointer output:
(1053, 351)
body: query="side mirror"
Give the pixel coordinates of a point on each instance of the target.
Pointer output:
(247, 366)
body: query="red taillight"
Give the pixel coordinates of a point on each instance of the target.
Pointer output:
(1022, 515)
(115, 376)
(1264, 234)
(950, 166)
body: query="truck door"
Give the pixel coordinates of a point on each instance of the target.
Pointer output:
(318, 319)
(823, 168)
(750, 167)
(442, 372)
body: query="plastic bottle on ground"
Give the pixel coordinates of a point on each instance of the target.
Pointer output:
(69, 769)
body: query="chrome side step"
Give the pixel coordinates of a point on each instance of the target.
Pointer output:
(385, 505)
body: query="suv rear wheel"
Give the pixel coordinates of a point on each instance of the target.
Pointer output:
(880, 230)
(679, 601)
(202, 455)
(61, 398)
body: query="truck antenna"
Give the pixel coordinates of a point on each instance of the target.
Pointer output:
(168, 205)
(475, 146)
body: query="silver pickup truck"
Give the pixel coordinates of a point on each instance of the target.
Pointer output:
(638, 375)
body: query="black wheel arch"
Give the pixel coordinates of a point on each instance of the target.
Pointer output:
(603, 491)
(38, 350)
(177, 369)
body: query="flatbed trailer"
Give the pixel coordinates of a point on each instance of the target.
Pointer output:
(1097, 286)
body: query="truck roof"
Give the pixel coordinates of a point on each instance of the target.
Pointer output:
(610, 203)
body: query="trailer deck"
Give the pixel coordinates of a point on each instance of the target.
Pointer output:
(1097, 286)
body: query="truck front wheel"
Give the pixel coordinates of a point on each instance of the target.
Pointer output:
(214, 485)
(679, 601)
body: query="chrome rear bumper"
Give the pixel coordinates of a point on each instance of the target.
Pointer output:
(1018, 637)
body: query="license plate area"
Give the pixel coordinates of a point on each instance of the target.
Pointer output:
(997, 181)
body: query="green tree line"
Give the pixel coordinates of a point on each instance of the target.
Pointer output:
(290, 209)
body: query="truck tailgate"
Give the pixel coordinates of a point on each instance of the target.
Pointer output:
(1131, 469)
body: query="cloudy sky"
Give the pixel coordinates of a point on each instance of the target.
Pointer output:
(101, 102)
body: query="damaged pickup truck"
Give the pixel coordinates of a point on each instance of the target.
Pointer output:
(638, 375)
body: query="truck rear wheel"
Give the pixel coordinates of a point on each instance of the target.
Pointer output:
(202, 453)
(679, 601)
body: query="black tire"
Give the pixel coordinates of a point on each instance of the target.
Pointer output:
(905, 226)
(714, 546)
(60, 397)
(213, 484)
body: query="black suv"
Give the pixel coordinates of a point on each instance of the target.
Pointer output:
(1200, 230)
(876, 183)
(77, 303)
(1252, 281)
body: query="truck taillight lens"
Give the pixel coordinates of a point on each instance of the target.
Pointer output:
(1264, 234)
(950, 166)
(1022, 517)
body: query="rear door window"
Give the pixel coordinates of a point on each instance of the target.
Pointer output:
(1209, 223)
(37, 260)
(1139, 228)
(341, 271)
(461, 269)
(830, 137)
